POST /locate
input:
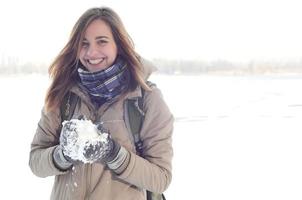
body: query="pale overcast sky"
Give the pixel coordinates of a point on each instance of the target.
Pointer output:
(235, 30)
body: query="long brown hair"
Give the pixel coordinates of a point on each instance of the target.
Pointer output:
(63, 70)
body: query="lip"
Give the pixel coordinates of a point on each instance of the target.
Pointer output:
(95, 61)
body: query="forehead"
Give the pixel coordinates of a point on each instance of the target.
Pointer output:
(97, 28)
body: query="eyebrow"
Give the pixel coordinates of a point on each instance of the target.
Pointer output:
(102, 37)
(98, 38)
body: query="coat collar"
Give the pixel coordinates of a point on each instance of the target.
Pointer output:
(148, 69)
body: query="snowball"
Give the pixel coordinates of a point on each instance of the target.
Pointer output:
(83, 135)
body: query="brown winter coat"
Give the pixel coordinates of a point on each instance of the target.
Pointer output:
(96, 181)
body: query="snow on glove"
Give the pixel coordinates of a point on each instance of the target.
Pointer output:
(67, 138)
(108, 151)
(104, 150)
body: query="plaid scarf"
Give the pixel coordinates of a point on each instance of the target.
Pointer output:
(105, 85)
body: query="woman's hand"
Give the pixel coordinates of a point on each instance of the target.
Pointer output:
(68, 137)
(104, 150)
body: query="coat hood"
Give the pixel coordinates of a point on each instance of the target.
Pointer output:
(148, 68)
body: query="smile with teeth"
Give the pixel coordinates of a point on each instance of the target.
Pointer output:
(95, 61)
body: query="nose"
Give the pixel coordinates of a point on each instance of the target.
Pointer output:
(92, 51)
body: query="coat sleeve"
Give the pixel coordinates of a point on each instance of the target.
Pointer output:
(43, 144)
(154, 172)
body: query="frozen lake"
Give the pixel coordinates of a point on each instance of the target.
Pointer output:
(235, 137)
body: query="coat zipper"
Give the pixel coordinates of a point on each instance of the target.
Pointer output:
(89, 166)
(87, 196)
(96, 119)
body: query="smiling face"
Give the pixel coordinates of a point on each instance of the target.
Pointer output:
(98, 50)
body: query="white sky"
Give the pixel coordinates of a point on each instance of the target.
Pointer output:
(235, 30)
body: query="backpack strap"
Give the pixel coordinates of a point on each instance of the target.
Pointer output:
(155, 196)
(68, 105)
(136, 117)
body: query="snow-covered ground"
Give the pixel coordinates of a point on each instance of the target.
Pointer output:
(235, 137)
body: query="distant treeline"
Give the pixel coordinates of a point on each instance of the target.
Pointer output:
(165, 66)
(227, 67)
(24, 68)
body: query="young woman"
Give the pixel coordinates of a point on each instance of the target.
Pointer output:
(100, 66)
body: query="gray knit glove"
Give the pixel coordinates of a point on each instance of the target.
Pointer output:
(103, 151)
(108, 152)
(68, 136)
(60, 160)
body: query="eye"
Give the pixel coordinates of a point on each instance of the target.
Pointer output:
(102, 42)
(84, 44)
